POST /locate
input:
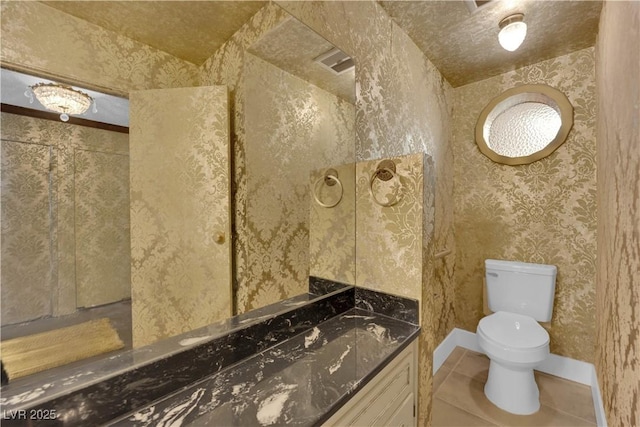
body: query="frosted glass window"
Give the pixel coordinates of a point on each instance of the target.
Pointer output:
(524, 124)
(523, 129)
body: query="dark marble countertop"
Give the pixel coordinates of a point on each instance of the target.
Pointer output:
(293, 362)
(261, 324)
(300, 381)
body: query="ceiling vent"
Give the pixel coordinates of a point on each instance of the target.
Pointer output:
(335, 61)
(474, 5)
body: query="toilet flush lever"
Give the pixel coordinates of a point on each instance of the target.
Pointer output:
(492, 274)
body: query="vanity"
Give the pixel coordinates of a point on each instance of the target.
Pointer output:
(341, 356)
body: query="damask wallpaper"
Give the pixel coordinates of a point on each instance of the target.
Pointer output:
(227, 67)
(389, 239)
(618, 284)
(270, 270)
(292, 127)
(180, 217)
(544, 212)
(546, 209)
(332, 230)
(103, 266)
(26, 232)
(46, 41)
(78, 198)
(403, 106)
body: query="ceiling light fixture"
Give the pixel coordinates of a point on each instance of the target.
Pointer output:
(62, 99)
(513, 30)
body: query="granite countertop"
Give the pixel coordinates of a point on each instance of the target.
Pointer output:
(301, 381)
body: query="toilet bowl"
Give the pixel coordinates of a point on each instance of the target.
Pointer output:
(520, 295)
(515, 345)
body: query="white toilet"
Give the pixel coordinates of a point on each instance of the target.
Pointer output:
(520, 295)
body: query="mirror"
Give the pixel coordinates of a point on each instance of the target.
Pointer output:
(291, 121)
(524, 124)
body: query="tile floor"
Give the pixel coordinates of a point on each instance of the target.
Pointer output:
(459, 398)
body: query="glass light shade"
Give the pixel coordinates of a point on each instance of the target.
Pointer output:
(62, 99)
(512, 35)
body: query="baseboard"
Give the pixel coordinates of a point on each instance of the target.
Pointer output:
(569, 369)
(559, 366)
(601, 418)
(443, 350)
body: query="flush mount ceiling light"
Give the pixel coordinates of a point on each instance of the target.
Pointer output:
(62, 99)
(513, 30)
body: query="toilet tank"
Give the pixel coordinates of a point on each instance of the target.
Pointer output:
(520, 287)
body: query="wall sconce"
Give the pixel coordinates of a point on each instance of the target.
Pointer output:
(513, 30)
(62, 99)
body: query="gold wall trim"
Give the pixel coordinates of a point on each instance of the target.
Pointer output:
(527, 93)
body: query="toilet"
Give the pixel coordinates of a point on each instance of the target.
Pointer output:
(520, 295)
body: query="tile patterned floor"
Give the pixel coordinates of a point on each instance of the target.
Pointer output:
(459, 398)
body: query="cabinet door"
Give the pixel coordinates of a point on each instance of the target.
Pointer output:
(389, 397)
(404, 414)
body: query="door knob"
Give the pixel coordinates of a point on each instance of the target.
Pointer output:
(219, 237)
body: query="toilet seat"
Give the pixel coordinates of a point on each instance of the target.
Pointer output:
(513, 339)
(515, 331)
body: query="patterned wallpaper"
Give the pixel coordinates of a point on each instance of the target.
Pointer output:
(332, 231)
(292, 127)
(389, 239)
(618, 282)
(227, 67)
(26, 231)
(82, 203)
(403, 106)
(46, 41)
(272, 251)
(544, 212)
(103, 247)
(42, 40)
(180, 271)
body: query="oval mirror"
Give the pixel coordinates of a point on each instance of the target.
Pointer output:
(524, 124)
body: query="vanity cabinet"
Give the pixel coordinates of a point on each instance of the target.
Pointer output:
(389, 399)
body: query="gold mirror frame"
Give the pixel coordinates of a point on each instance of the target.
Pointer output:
(526, 93)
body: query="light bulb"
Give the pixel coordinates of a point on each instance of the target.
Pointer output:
(513, 31)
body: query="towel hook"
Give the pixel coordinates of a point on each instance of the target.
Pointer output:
(330, 178)
(385, 171)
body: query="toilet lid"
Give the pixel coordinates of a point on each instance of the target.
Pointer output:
(514, 330)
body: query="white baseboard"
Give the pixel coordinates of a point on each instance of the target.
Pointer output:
(569, 369)
(443, 350)
(601, 418)
(559, 366)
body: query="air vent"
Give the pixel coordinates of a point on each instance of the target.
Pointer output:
(335, 61)
(474, 5)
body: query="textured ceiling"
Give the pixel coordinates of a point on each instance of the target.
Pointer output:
(292, 46)
(464, 45)
(190, 30)
(461, 44)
